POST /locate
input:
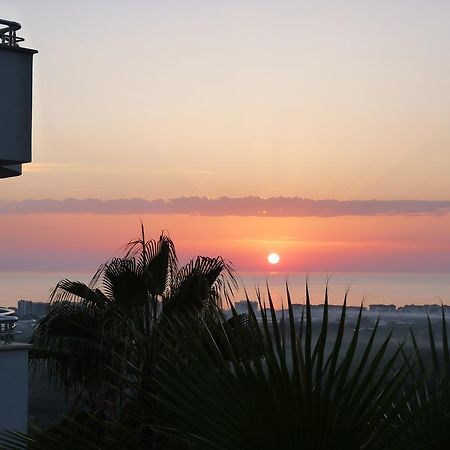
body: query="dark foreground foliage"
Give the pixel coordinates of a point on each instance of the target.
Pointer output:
(89, 335)
(301, 394)
(190, 378)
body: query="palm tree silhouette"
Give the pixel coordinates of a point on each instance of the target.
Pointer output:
(92, 329)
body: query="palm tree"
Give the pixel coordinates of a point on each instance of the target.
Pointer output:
(91, 328)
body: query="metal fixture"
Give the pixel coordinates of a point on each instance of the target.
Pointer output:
(16, 79)
(7, 325)
(8, 30)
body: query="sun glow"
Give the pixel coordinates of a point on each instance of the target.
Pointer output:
(273, 258)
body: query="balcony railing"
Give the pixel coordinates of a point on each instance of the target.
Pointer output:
(7, 324)
(8, 33)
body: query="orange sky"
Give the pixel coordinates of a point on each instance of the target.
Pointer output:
(83, 241)
(321, 100)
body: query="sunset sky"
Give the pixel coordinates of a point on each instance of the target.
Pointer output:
(248, 100)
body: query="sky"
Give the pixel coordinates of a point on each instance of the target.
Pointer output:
(210, 107)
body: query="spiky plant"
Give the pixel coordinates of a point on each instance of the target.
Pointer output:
(299, 394)
(428, 412)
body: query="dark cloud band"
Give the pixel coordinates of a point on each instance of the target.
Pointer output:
(226, 206)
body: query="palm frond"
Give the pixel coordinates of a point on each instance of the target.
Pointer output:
(76, 291)
(300, 394)
(158, 260)
(203, 281)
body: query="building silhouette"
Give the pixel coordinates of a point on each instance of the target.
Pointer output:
(26, 309)
(16, 75)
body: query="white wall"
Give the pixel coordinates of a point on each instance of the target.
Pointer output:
(14, 386)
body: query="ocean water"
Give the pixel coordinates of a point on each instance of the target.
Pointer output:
(35, 286)
(369, 288)
(396, 288)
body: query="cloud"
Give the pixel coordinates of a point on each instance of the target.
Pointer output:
(227, 206)
(44, 168)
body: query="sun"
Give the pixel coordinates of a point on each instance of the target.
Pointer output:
(273, 258)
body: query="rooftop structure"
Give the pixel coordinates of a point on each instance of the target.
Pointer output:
(16, 75)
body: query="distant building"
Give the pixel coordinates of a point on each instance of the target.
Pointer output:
(356, 308)
(336, 308)
(242, 306)
(425, 309)
(27, 309)
(380, 308)
(319, 307)
(297, 307)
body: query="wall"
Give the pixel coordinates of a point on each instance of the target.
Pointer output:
(14, 386)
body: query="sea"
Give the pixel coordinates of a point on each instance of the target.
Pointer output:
(368, 288)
